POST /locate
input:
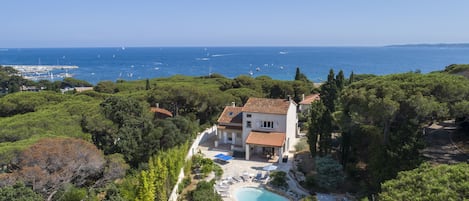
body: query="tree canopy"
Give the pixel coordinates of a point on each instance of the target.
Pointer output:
(395, 108)
(428, 183)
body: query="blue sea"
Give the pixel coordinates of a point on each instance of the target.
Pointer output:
(131, 63)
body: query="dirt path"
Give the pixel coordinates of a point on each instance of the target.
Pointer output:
(440, 148)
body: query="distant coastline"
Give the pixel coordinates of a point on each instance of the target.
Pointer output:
(438, 45)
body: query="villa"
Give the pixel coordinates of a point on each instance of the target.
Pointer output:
(305, 104)
(262, 126)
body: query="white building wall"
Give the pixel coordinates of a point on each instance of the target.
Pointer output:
(256, 119)
(291, 124)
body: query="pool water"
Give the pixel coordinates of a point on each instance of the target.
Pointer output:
(257, 194)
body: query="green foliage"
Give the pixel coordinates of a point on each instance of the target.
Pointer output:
(71, 193)
(309, 198)
(146, 190)
(185, 183)
(300, 76)
(106, 87)
(162, 174)
(461, 109)
(10, 81)
(396, 107)
(310, 181)
(20, 103)
(360, 77)
(218, 171)
(301, 145)
(128, 187)
(18, 192)
(340, 80)
(330, 91)
(329, 173)
(72, 82)
(442, 182)
(320, 128)
(279, 178)
(205, 192)
(456, 68)
(60, 116)
(112, 193)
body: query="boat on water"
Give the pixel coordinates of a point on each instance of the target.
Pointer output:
(283, 52)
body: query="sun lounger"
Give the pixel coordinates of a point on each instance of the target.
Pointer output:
(245, 178)
(258, 177)
(225, 194)
(235, 179)
(240, 179)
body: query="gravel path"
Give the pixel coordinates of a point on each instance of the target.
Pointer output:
(440, 148)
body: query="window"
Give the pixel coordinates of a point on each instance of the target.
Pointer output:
(248, 115)
(248, 124)
(267, 124)
(230, 138)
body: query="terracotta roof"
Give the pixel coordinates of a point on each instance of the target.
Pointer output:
(266, 138)
(266, 105)
(161, 111)
(231, 115)
(311, 98)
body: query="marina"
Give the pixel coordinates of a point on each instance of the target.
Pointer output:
(39, 72)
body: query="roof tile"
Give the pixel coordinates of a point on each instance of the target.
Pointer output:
(266, 138)
(266, 105)
(231, 115)
(311, 98)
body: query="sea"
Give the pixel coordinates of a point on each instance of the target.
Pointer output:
(132, 63)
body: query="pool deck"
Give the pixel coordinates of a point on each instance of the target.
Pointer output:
(238, 167)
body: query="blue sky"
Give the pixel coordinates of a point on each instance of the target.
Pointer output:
(104, 23)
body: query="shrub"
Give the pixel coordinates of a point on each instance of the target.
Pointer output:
(279, 178)
(301, 145)
(329, 173)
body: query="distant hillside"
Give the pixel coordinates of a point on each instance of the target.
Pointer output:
(458, 69)
(439, 45)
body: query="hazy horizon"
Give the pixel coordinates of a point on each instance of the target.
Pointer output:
(210, 23)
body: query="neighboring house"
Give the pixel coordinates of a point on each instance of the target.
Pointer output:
(161, 113)
(76, 89)
(31, 88)
(305, 104)
(263, 126)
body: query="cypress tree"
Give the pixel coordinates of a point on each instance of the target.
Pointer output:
(329, 91)
(147, 84)
(317, 110)
(351, 78)
(340, 80)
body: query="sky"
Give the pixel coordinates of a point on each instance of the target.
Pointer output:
(155, 23)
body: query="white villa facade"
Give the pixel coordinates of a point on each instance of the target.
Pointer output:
(262, 126)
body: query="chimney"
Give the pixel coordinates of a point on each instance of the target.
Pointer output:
(233, 104)
(288, 97)
(302, 97)
(157, 105)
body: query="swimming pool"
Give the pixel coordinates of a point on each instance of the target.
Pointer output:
(256, 194)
